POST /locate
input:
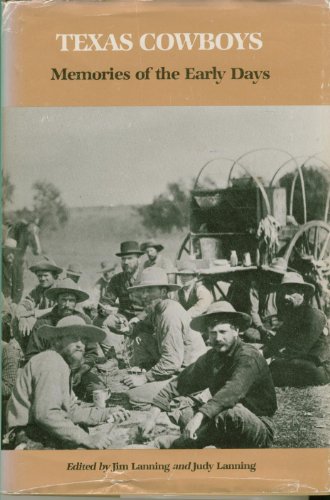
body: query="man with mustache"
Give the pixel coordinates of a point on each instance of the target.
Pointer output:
(43, 412)
(243, 401)
(66, 295)
(300, 351)
(116, 292)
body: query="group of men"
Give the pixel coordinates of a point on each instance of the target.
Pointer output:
(189, 355)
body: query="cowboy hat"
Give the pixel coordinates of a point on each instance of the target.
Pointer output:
(106, 265)
(66, 285)
(128, 248)
(10, 244)
(45, 264)
(154, 276)
(278, 265)
(221, 310)
(186, 267)
(72, 324)
(295, 279)
(151, 243)
(74, 269)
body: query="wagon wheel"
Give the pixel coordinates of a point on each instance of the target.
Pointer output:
(309, 254)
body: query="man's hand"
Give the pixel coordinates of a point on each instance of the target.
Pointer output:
(99, 441)
(119, 415)
(25, 325)
(192, 426)
(148, 426)
(118, 324)
(77, 374)
(135, 380)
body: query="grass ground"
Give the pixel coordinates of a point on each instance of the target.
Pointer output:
(303, 417)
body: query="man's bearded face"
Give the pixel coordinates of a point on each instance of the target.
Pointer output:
(222, 336)
(72, 349)
(151, 295)
(293, 297)
(66, 304)
(130, 263)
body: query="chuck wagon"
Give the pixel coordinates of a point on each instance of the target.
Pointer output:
(248, 224)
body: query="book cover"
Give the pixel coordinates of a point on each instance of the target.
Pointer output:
(201, 125)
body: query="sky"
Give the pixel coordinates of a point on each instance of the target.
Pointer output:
(127, 155)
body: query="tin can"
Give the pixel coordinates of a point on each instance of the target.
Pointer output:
(100, 397)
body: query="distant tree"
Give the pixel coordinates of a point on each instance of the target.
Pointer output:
(169, 210)
(317, 181)
(7, 188)
(48, 206)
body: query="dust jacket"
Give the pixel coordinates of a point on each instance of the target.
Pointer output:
(111, 102)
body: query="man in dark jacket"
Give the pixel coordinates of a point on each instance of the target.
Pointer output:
(300, 351)
(239, 413)
(66, 295)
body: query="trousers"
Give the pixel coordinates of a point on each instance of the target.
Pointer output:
(236, 427)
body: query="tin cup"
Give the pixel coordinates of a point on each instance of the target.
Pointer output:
(247, 260)
(100, 397)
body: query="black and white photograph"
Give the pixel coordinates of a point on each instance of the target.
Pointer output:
(166, 278)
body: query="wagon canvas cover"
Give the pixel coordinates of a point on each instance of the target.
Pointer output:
(111, 102)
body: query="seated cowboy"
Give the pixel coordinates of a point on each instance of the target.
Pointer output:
(239, 413)
(74, 272)
(152, 249)
(165, 343)
(116, 293)
(194, 297)
(254, 293)
(66, 295)
(36, 303)
(300, 351)
(43, 410)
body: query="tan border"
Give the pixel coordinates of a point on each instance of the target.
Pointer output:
(296, 51)
(278, 471)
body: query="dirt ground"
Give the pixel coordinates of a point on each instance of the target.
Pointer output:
(301, 421)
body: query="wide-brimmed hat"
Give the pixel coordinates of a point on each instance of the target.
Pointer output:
(151, 243)
(66, 286)
(128, 248)
(186, 267)
(154, 276)
(10, 244)
(278, 265)
(75, 269)
(106, 265)
(73, 324)
(296, 279)
(221, 310)
(46, 264)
